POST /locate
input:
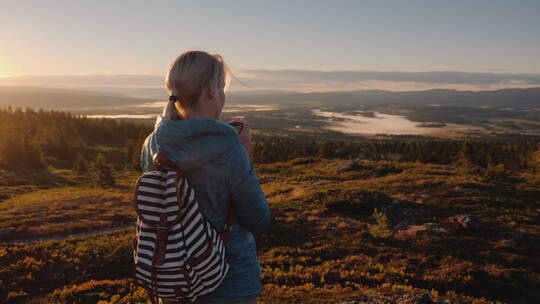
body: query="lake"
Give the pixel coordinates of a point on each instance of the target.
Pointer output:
(382, 124)
(226, 108)
(152, 109)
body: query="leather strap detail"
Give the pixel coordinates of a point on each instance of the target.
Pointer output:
(161, 162)
(161, 241)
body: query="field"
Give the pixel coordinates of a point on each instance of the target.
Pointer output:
(342, 231)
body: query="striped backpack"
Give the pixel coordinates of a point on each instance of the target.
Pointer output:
(178, 254)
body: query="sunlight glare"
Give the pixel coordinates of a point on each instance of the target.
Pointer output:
(6, 75)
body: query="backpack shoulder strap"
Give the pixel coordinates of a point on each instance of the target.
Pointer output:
(161, 162)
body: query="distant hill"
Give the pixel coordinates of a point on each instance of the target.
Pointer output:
(499, 98)
(48, 98)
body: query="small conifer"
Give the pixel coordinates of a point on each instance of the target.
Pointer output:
(103, 172)
(81, 165)
(382, 228)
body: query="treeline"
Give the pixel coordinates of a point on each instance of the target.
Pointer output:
(29, 137)
(515, 154)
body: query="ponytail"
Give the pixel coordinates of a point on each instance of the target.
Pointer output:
(170, 110)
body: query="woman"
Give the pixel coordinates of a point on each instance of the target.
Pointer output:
(215, 158)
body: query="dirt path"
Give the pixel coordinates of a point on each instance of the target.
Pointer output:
(64, 236)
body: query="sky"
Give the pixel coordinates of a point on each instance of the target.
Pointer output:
(297, 45)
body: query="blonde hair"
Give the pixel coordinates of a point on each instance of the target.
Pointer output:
(189, 74)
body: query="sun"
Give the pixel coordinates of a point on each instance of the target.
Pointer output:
(5, 74)
(3, 70)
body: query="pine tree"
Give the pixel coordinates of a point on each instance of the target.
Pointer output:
(129, 149)
(18, 153)
(103, 172)
(382, 228)
(81, 165)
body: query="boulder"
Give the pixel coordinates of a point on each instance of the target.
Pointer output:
(351, 166)
(464, 220)
(397, 201)
(430, 230)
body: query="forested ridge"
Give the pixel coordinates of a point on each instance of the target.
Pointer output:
(29, 139)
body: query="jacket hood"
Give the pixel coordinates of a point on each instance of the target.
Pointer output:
(193, 142)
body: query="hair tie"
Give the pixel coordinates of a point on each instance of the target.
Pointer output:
(173, 98)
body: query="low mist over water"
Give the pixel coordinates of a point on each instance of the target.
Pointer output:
(376, 123)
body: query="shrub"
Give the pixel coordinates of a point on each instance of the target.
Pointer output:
(102, 172)
(382, 228)
(81, 165)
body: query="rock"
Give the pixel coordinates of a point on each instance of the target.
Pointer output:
(351, 166)
(397, 204)
(469, 189)
(464, 220)
(397, 201)
(431, 230)
(425, 299)
(5, 232)
(415, 298)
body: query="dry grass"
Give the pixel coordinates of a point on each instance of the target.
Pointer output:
(318, 249)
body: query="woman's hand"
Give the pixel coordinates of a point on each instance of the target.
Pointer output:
(245, 135)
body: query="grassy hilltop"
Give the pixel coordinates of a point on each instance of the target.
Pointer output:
(451, 235)
(368, 221)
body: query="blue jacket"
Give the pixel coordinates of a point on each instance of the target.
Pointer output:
(219, 169)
